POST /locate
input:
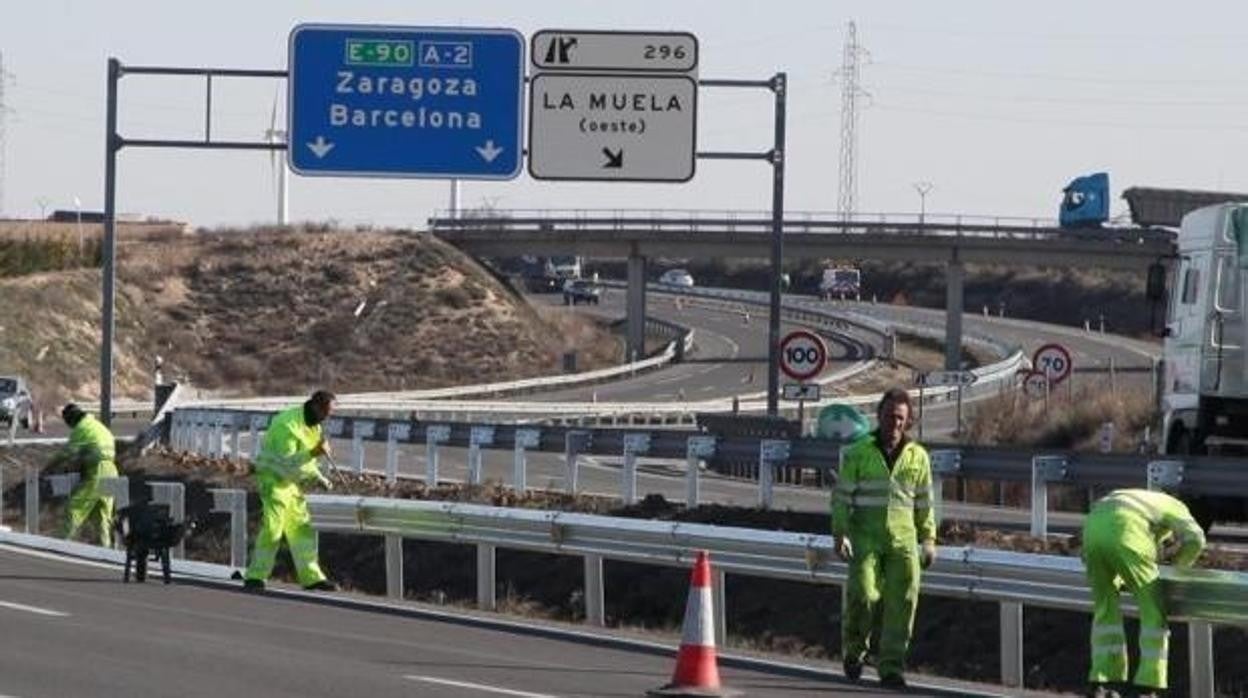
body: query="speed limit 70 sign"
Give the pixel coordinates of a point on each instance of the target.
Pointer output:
(1052, 360)
(802, 354)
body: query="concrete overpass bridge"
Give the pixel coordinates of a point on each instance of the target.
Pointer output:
(952, 240)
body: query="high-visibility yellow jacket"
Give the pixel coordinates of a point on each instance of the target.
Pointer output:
(1142, 520)
(877, 506)
(91, 445)
(287, 449)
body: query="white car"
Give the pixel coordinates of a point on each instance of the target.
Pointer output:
(676, 277)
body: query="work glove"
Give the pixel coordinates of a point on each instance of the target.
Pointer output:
(844, 549)
(928, 554)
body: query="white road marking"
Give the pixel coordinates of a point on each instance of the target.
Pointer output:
(477, 687)
(32, 609)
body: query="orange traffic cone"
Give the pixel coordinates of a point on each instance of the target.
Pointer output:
(697, 671)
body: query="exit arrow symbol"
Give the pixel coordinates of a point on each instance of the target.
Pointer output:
(615, 160)
(489, 151)
(320, 147)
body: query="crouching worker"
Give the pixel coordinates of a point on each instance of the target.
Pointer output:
(92, 450)
(1122, 540)
(287, 462)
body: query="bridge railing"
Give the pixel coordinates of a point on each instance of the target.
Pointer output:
(1012, 580)
(744, 214)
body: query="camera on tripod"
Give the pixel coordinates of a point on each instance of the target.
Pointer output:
(148, 531)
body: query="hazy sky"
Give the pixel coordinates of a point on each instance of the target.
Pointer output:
(997, 104)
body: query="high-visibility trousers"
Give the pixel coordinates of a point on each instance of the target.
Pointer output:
(1110, 564)
(284, 514)
(87, 505)
(883, 583)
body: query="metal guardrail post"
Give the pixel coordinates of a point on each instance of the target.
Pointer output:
(719, 581)
(1200, 659)
(172, 494)
(479, 436)
(360, 429)
(945, 463)
(32, 500)
(574, 443)
(234, 503)
(394, 565)
(634, 444)
(487, 580)
(697, 448)
(1165, 474)
(235, 450)
(395, 433)
(255, 430)
(771, 452)
(216, 447)
(525, 438)
(595, 594)
(1044, 469)
(1011, 644)
(434, 434)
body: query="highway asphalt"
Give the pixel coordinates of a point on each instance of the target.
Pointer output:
(72, 629)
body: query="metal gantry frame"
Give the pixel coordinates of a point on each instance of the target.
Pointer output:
(114, 142)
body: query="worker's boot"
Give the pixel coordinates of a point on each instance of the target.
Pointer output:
(1102, 690)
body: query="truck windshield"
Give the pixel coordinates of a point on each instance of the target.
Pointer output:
(563, 261)
(8, 385)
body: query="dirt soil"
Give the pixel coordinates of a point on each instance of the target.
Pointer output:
(767, 615)
(282, 312)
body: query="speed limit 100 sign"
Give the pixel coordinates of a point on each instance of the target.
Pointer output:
(1052, 360)
(802, 354)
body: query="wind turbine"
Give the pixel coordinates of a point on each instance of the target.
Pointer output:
(275, 135)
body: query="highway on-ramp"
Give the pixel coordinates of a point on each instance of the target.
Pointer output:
(76, 630)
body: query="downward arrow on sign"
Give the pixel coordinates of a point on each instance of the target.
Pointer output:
(320, 146)
(489, 151)
(615, 160)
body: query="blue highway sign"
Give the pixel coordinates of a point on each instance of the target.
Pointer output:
(416, 102)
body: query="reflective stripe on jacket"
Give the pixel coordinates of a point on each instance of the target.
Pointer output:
(887, 507)
(287, 449)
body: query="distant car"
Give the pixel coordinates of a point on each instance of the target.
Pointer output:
(676, 277)
(16, 403)
(580, 291)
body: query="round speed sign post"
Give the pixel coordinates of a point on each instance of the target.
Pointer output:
(803, 355)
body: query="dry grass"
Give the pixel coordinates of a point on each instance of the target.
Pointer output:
(284, 311)
(1069, 421)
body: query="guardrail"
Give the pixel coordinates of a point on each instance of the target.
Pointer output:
(209, 430)
(934, 226)
(1012, 580)
(685, 215)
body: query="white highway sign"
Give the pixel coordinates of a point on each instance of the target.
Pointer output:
(613, 127)
(808, 392)
(629, 52)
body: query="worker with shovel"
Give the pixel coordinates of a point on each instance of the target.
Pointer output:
(288, 457)
(92, 450)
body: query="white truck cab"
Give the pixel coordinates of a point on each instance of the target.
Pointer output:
(1204, 397)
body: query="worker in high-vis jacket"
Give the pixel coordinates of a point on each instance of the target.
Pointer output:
(287, 462)
(1123, 537)
(884, 528)
(93, 451)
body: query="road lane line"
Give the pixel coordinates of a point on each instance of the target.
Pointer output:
(477, 687)
(32, 609)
